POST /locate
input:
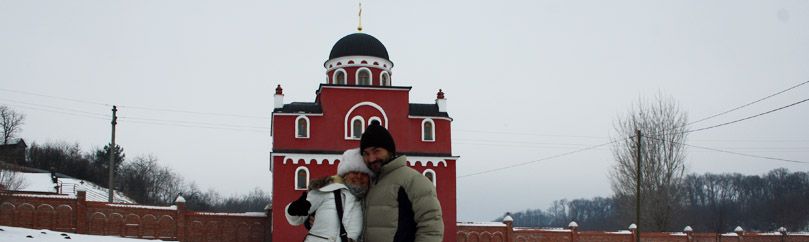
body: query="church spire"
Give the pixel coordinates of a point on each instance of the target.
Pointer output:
(359, 27)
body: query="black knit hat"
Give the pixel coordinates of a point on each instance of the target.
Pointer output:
(377, 136)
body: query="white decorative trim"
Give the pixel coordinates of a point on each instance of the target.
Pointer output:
(392, 88)
(428, 161)
(358, 62)
(357, 77)
(423, 122)
(297, 114)
(294, 158)
(423, 117)
(362, 127)
(348, 125)
(295, 178)
(308, 124)
(430, 171)
(381, 79)
(334, 76)
(371, 120)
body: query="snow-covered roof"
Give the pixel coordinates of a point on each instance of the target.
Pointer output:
(41, 182)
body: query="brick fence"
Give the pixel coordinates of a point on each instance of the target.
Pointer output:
(77, 215)
(505, 232)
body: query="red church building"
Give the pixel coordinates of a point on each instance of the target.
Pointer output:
(310, 137)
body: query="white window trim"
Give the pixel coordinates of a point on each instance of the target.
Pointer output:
(383, 79)
(426, 120)
(347, 125)
(430, 171)
(308, 125)
(371, 120)
(362, 127)
(295, 178)
(357, 77)
(334, 77)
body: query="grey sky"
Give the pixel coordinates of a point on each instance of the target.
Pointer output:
(524, 80)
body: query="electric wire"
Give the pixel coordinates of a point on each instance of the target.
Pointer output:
(195, 112)
(55, 97)
(55, 111)
(748, 104)
(728, 152)
(193, 123)
(538, 160)
(746, 118)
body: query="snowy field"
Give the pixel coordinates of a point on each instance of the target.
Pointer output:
(41, 182)
(15, 234)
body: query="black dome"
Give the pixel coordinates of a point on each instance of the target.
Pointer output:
(359, 44)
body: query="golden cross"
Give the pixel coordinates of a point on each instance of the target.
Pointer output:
(359, 27)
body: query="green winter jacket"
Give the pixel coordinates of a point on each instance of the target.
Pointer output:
(402, 205)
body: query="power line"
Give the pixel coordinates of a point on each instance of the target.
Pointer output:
(748, 104)
(529, 134)
(55, 111)
(729, 152)
(191, 122)
(56, 97)
(199, 126)
(746, 118)
(538, 160)
(195, 112)
(53, 107)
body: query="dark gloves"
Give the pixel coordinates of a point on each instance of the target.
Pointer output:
(299, 207)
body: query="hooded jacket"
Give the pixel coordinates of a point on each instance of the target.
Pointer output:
(326, 224)
(402, 205)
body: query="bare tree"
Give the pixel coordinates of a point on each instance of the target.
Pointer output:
(11, 122)
(662, 125)
(10, 179)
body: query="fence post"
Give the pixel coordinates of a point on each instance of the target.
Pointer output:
(574, 234)
(689, 233)
(268, 229)
(632, 230)
(783, 232)
(509, 221)
(739, 232)
(180, 202)
(80, 215)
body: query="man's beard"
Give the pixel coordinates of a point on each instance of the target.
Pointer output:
(358, 191)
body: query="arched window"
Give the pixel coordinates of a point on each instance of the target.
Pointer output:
(430, 174)
(363, 77)
(340, 77)
(427, 130)
(357, 127)
(301, 178)
(384, 79)
(302, 127)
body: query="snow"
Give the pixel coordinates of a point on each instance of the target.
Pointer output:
(247, 214)
(118, 205)
(688, 229)
(41, 182)
(482, 224)
(180, 199)
(572, 224)
(738, 229)
(15, 234)
(621, 232)
(633, 226)
(508, 218)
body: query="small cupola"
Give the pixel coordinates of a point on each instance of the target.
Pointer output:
(441, 101)
(279, 97)
(359, 59)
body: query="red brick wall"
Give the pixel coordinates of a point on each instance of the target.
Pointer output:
(491, 232)
(75, 214)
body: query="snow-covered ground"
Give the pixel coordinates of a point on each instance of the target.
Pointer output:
(41, 182)
(15, 234)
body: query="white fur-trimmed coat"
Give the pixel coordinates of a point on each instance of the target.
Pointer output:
(326, 225)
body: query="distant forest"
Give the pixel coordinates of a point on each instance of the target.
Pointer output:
(142, 178)
(711, 203)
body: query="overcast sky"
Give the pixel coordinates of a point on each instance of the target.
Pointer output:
(524, 80)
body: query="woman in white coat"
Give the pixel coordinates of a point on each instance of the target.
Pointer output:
(352, 181)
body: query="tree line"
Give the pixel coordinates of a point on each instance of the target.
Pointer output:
(142, 178)
(711, 203)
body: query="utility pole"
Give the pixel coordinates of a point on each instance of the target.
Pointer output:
(112, 151)
(637, 186)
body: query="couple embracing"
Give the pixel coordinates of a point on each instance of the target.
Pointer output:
(374, 197)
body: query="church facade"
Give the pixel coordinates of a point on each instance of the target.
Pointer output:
(309, 137)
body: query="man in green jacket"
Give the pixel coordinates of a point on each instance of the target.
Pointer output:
(401, 204)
